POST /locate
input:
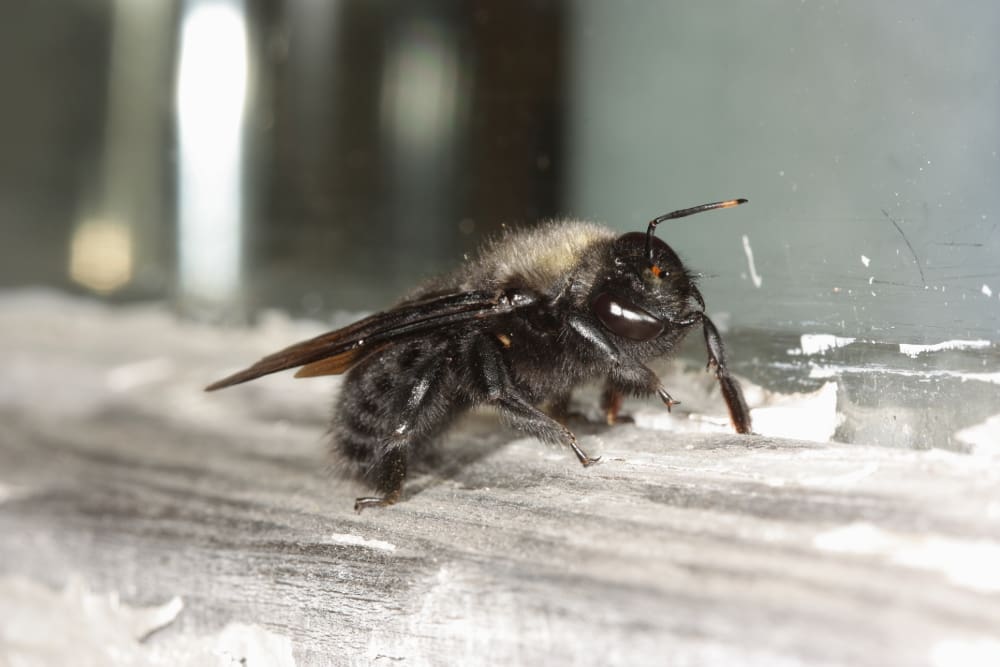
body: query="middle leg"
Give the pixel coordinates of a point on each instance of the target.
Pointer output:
(499, 390)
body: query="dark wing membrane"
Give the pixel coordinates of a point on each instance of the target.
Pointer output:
(337, 351)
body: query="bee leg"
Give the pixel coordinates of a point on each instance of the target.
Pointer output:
(558, 408)
(421, 410)
(739, 413)
(642, 384)
(611, 404)
(390, 477)
(667, 399)
(523, 416)
(625, 376)
(517, 411)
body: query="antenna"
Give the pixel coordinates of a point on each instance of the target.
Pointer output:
(683, 213)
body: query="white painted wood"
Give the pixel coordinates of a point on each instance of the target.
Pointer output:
(676, 549)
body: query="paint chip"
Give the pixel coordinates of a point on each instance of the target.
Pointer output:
(358, 541)
(757, 280)
(914, 350)
(820, 343)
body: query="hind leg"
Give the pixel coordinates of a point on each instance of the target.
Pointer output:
(405, 416)
(390, 473)
(421, 411)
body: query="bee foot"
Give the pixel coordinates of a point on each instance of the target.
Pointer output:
(667, 399)
(375, 501)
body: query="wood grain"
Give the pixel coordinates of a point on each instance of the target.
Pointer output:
(676, 549)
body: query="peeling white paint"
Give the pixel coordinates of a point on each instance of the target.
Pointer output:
(810, 344)
(914, 350)
(826, 371)
(239, 644)
(660, 420)
(965, 563)
(754, 276)
(799, 415)
(358, 541)
(98, 629)
(967, 652)
(802, 416)
(93, 628)
(984, 438)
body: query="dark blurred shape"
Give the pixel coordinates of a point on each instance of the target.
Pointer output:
(377, 142)
(53, 69)
(403, 133)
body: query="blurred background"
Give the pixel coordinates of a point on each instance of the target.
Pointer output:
(317, 156)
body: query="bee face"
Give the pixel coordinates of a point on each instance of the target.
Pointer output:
(641, 297)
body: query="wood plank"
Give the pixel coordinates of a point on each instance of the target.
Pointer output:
(676, 549)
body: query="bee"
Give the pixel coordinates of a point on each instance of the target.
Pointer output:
(535, 314)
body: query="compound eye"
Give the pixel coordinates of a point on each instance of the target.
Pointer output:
(625, 319)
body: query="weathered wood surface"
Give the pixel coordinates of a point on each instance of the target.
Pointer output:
(677, 549)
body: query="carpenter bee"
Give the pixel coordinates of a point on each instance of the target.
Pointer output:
(536, 313)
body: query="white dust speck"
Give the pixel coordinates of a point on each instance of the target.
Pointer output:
(358, 541)
(757, 280)
(865, 260)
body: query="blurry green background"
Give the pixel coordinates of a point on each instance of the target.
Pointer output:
(316, 155)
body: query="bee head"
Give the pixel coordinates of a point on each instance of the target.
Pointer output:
(649, 286)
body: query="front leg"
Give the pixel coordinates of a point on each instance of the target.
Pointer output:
(739, 413)
(626, 375)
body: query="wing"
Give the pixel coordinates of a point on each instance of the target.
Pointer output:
(337, 351)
